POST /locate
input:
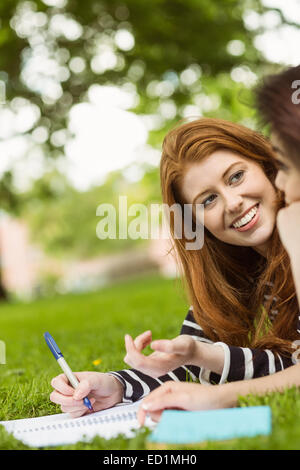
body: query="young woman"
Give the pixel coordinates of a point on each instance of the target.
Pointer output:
(227, 335)
(280, 108)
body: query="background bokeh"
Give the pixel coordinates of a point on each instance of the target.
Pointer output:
(87, 91)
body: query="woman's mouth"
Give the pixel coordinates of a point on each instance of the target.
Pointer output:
(247, 221)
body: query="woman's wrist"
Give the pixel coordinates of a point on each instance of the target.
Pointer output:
(118, 386)
(209, 356)
(227, 395)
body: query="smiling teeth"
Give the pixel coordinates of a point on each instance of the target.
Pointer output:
(246, 219)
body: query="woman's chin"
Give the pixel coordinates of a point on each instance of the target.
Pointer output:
(257, 238)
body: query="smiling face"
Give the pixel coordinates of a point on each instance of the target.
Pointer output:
(233, 190)
(288, 176)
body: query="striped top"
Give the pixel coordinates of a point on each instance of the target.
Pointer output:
(239, 364)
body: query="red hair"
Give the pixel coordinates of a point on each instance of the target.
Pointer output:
(226, 303)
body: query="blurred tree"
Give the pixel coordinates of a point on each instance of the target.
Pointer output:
(178, 55)
(64, 225)
(52, 51)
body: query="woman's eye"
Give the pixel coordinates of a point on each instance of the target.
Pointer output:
(211, 198)
(208, 200)
(237, 175)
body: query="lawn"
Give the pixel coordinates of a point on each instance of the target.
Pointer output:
(91, 327)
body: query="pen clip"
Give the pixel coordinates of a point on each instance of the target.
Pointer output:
(53, 346)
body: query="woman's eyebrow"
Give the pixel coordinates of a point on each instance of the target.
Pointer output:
(223, 176)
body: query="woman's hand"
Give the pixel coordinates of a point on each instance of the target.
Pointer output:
(288, 223)
(168, 355)
(103, 390)
(183, 396)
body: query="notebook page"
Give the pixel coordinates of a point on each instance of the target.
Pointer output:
(61, 429)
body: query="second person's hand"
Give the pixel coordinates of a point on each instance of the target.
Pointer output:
(183, 396)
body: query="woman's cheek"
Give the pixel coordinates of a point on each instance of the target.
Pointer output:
(213, 222)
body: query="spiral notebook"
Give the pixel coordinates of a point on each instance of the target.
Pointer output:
(60, 429)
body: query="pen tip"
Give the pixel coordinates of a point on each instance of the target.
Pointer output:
(88, 404)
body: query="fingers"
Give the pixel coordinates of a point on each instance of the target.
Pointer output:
(77, 414)
(64, 400)
(157, 363)
(136, 359)
(138, 344)
(143, 340)
(82, 390)
(66, 396)
(77, 409)
(61, 384)
(153, 397)
(162, 345)
(179, 345)
(69, 405)
(170, 395)
(133, 356)
(155, 416)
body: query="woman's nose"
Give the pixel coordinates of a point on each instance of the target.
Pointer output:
(234, 203)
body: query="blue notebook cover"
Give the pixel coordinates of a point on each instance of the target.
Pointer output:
(183, 427)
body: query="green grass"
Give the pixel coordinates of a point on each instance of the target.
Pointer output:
(92, 326)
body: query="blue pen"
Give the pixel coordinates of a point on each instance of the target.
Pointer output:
(64, 366)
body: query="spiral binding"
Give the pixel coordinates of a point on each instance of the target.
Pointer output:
(88, 421)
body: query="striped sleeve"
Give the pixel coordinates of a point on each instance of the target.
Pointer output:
(137, 384)
(239, 364)
(246, 363)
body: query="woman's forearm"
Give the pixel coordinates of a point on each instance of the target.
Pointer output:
(229, 393)
(209, 356)
(212, 357)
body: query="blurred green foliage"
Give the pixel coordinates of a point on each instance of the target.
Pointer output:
(66, 224)
(180, 55)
